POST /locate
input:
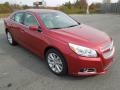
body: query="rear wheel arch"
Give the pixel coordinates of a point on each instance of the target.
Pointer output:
(6, 30)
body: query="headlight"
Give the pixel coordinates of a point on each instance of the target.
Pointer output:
(83, 51)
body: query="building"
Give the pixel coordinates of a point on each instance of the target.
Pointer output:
(39, 3)
(106, 1)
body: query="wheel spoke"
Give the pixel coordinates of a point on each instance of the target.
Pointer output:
(59, 68)
(49, 58)
(50, 62)
(52, 56)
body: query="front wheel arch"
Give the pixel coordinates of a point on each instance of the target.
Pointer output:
(51, 47)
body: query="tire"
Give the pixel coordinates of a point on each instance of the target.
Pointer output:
(10, 38)
(56, 62)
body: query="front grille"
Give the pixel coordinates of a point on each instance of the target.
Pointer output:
(108, 50)
(109, 54)
(107, 47)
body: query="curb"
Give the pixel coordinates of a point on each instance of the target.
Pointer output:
(2, 18)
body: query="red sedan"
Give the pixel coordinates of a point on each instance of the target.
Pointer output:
(66, 45)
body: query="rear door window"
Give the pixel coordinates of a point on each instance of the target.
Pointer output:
(19, 17)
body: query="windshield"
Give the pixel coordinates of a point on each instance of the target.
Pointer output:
(57, 20)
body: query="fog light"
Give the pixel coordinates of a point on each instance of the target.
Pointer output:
(88, 70)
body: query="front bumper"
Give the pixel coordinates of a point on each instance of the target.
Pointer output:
(80, 66)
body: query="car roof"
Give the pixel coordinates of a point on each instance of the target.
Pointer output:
(38, 10)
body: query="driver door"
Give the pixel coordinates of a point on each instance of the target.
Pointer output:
(33, 39)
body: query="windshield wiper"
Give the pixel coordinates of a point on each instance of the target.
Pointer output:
(55, 28)
(64, 27)
(72, 26)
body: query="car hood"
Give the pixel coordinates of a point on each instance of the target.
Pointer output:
(81, 35)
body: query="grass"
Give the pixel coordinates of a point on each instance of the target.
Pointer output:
(4, 15)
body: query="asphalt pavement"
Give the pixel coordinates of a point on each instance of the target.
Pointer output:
(22, 70)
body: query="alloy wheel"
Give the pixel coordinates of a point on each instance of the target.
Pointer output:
(9, 37)
(55, 63)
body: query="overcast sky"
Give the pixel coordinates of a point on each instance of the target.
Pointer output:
(48, 2)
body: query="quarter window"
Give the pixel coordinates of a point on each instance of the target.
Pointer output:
(30, 20)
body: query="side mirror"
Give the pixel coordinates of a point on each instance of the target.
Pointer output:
(33, 28)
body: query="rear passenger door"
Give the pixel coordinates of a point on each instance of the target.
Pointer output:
(17, 26)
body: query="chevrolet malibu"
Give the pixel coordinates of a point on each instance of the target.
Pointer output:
(68, 46)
